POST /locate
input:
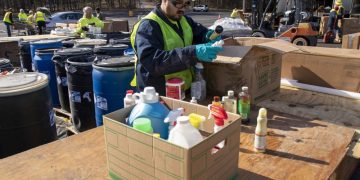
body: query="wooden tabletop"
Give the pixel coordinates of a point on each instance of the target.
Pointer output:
(297, 148)
(32, 37)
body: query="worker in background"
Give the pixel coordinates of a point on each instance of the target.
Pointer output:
(8, 21)
(30, 23)
(235, 13)
(88, 20)
(340, 16)
(168, 44)
(99, 14)
(333, 21)
(40, 20)
(22, 16)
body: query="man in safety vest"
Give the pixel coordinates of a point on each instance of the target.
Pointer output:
(30, 23)
(40, 20)
(22, 16)
(168, 44)
(332, 25)
(8, 21)
(340, 16)
(235, 13)
(88, 20)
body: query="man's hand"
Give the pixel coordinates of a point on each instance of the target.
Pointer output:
(206, 52)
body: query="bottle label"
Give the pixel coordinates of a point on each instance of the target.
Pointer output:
(175, 92)
(101, 103)
(260, 142)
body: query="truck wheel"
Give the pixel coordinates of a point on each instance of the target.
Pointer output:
(300, 41)
(258, 34)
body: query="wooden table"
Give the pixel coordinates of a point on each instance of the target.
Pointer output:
(297, 148)
(32, 37)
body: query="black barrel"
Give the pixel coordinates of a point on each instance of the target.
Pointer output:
(5, 65)
(79, 75)
(68, 43)
(111, 50)
(25, 55)
(59, 60)
(27, 119)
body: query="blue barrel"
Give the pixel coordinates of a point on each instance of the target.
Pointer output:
(42, 44)
(111, 79)
(43, 63)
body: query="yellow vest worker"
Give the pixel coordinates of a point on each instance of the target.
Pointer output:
(30, 19)
(40, 21)
(87, 20)
(235, 13)
(8, 21)
(22, 16)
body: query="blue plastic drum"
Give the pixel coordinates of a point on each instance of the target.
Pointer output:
(43, 63)
(111, 80)
(44, 44)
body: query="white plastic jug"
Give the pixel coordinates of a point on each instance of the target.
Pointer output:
(184, 134)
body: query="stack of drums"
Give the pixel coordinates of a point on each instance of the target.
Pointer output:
(116, 50)
(59, 60)
(25, 55)
(27, 119)
(5, 65)
(111, 80)
(80, 84)
(43, 63)
(42, 44)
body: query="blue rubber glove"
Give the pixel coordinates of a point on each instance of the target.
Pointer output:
(206, 52)
(208, 34)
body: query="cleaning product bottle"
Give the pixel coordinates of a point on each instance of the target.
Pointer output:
(219, 114)
(184, 134)
(244, 105)
(143, 124)
(261, 131)
(193, 100)
(150, 107)
(172, 116)
(129, 100)
(230, 102)
(198, 87)
(196, 120)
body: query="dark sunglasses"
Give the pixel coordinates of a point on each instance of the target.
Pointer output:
(179, 5)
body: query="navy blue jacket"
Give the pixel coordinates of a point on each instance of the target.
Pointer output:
(153, 61)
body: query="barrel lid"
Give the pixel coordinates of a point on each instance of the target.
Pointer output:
(22, 83)
(4, 61)
(46, 41)
(90, 41)
(73, 51)
(123, 61)
(46, 51)
(113, 47)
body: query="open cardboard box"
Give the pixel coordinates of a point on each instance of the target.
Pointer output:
(252, 62)
(132, 154)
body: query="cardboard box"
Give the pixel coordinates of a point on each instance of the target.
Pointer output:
(350, 25)
(351, 41)
(247, 62)
(327, 67)
(132, 154)
(10, 50)
(120, 25)
(107, 26)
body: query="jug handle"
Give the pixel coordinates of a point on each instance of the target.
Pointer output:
(136, 96)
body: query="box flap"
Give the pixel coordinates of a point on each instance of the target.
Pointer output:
(279, 46)
(331, 52)
(232, 54)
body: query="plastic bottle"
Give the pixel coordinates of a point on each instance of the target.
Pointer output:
(150, 107)
(184, 134)
(172, 116)
(261, 131)
(244, 105)
(219, 114)
(230, 102)
(196, 120)
(198, 87)
(193, 100)
(129, 100)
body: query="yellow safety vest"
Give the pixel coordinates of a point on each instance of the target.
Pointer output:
(85, 21)
(39, 16)
(7, 17)
(171, 41)
(235, 13)
(30, 19)
(22, 17)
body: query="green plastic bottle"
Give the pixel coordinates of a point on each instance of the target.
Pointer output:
(244, 105)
